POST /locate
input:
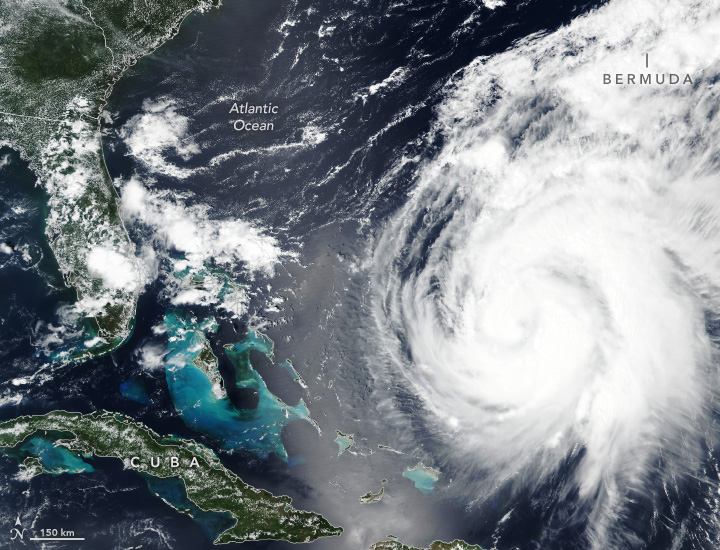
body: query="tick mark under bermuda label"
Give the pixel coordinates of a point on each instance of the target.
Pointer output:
(623, 79)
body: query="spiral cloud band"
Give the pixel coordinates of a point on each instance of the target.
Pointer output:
(551, 284)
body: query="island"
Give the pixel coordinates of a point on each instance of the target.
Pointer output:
(60, 62)
(388, 448)
(423, 477)
(207, 362)
(371, 498)
(437, 545)
(344, 441)
(193, 379)
(194, 469)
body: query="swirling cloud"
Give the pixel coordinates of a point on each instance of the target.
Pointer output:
(554, 270)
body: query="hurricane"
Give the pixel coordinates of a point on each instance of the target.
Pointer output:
(550, 288)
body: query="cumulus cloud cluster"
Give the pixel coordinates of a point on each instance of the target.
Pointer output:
(191, 230)
(159, 130)
(116, 270)
(204, 243)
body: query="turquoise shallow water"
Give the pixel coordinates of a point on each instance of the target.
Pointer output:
(172, 490)
(255, 430)
(55, 460)
(344, 442)
(423, 478)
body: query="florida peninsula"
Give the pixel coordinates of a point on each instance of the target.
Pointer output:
(60, 61)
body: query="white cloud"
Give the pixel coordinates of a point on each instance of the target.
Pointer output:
(116, 270)
(151, 356)
(158, 130)
(189, 229)
(569, 237)
(492, 4)
(393, 81)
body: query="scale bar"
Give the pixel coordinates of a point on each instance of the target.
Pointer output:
(57, 538)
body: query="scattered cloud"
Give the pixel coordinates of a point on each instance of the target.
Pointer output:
(159, 130)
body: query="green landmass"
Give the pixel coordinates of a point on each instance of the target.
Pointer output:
(60, 60)
(437, 545)
(30, 467)
(207, 361)
(371, 498)
(209, 485)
